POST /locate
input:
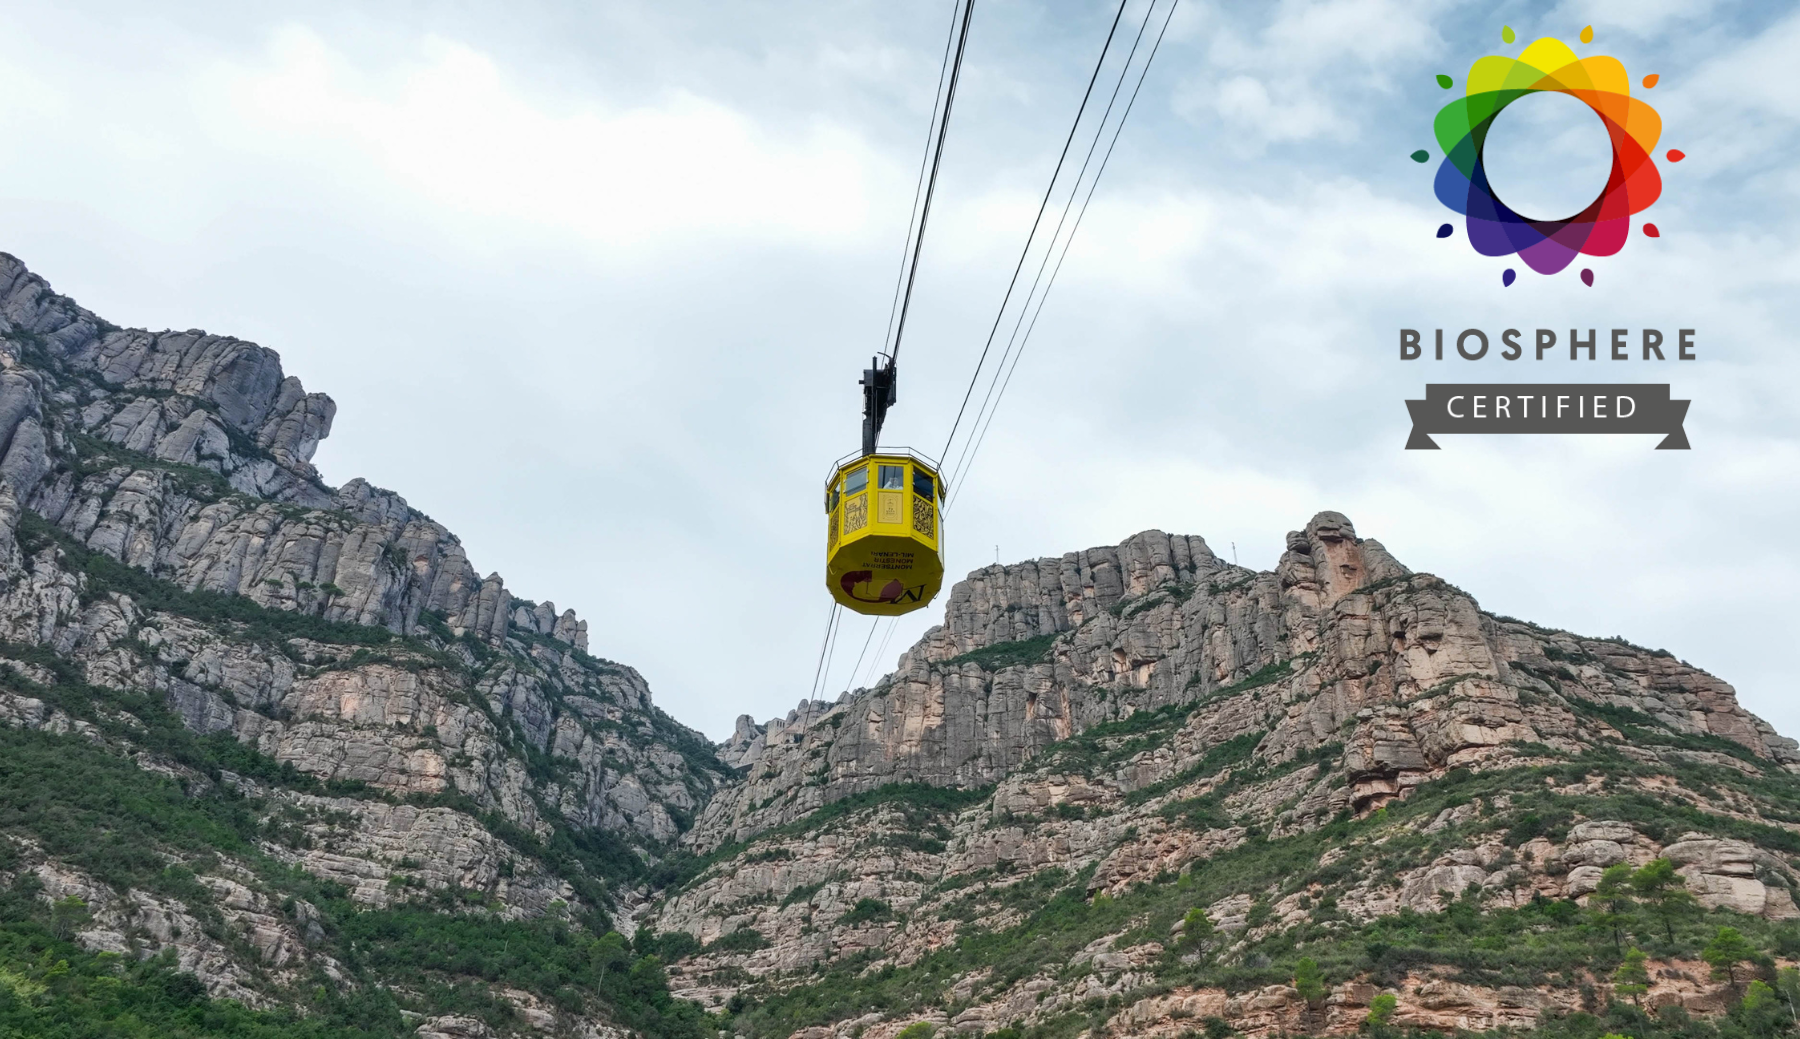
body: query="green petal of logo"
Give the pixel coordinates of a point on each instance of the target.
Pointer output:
(1548, 246)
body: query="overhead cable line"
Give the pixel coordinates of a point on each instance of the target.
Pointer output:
(881, 650)
(830, 656)
(936, 129)
(851, 684)
(818, 672)
(1080, 214)
(1023, 253)
(912, 214)
(937, 159)
(960, 468)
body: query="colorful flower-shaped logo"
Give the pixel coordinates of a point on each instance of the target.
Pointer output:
(1548, 246)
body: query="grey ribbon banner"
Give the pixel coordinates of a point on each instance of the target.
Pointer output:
(1583, 407)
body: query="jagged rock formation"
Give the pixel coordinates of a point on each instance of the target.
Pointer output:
(163, 531)
(187, 455)
(1124, 720)
(1115, 793)
(1403, 669)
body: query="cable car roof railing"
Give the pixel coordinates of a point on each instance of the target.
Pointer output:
(917, 456)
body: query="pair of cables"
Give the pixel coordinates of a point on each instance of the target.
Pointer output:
(1025, 317)
(924, 190)
(828, 652)
(961, 12)
(999, 377)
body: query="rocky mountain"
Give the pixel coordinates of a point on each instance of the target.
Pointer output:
(383, 728)
(276, 761)
(1128, 791)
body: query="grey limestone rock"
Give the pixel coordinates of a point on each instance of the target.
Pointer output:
(187, 456)
(1340, 643)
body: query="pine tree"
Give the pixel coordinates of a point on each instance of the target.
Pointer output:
(1787, 986)
(67, 915)
(1196, 927)
(1633, 977)
(1309, 982)
(1658, 885)
(1381, 1011)
(1613, 899)
(1727, 949)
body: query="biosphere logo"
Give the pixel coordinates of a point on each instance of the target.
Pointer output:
(1548, 246)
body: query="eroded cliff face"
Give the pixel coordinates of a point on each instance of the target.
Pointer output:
(1114, 793)
(1129, 733)
(1341, 643)
(163, 531)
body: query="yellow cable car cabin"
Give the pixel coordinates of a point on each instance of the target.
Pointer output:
(884, 547)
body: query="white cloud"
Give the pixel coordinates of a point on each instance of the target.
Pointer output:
(448, 132)
(1299, 74)
(608, 329)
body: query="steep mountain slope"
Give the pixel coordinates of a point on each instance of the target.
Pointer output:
(275, 760)
(1129, 790)
(285, 734)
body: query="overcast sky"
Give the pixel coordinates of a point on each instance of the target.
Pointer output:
(592, 284)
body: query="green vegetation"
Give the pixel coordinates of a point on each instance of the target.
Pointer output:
(1658, 886)
(921, 842)
(1541, 943)
(1381, 1011)
(97, 811)
(1268, 674)
(1725, 952)
(802, 893)
(669, 947)
(1001, 655)
(1612, 902)
(1632, 978)
(918, 800)
(1309, 984)
(1234, 751)
(1642, 730)
(1130, 606)
(581, 855)
(102, 814)
(145, 722)
(1100, 746)
(51, 988)
(95, 456)
(744, 939)
(1197, 929)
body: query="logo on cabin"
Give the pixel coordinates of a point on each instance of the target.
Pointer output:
(860, 585)
(1494, 228)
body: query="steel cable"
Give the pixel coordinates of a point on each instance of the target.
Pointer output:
(1019, 320)
(1079, 216)
(1024, 253)
(912, 214)
(937, 159)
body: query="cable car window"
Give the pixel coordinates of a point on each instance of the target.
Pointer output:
(856, 481)
(922, 484)
(831, 500)
(892, 478)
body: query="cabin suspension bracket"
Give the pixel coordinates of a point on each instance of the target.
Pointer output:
(879, 394)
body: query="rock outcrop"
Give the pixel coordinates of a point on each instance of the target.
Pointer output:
(1341, 643)
(1138, 724)
(1117, 792)
(164, 532)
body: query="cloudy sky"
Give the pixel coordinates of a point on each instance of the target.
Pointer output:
(592, 284)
